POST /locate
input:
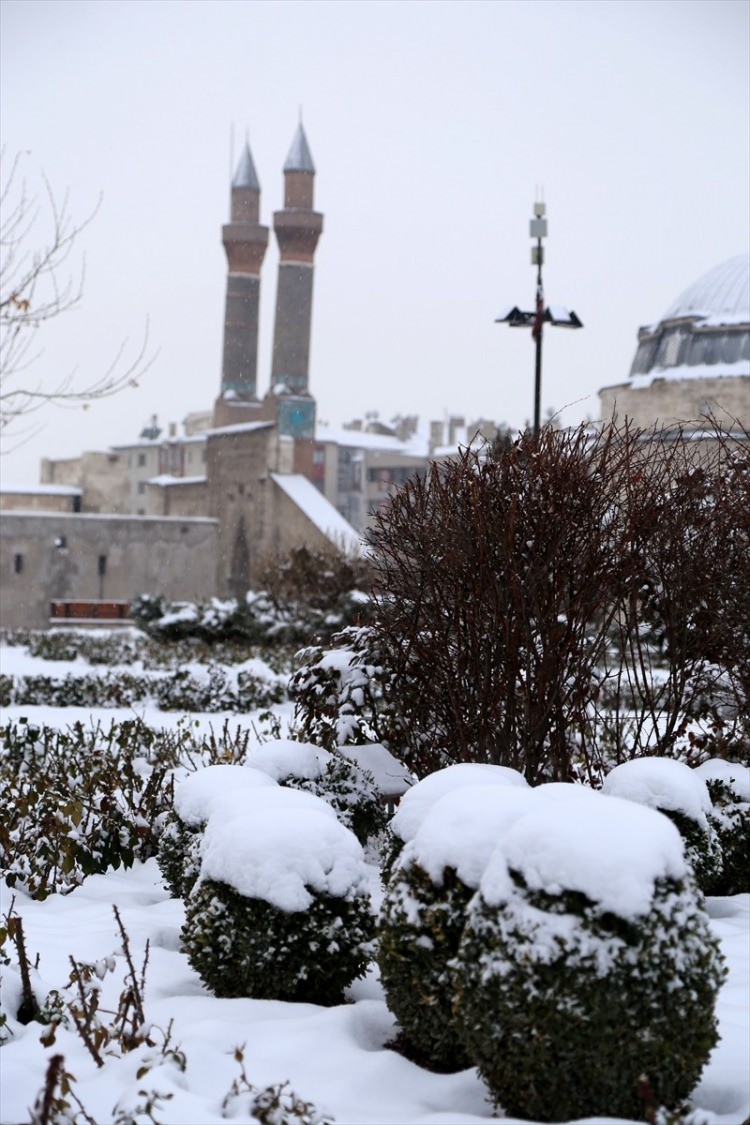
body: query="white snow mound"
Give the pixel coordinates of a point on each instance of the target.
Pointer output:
(417, 802)
(282, 757)
(733, 774)
(613, 855)
(661, 783)
(463, 828)
(251, 802)
(281, 856)
(195, 795)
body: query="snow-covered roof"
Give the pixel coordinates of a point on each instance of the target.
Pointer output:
(417, 446)
(39, 490)
(240, 428)
(723, 294)
(318, 510)
(246, 176)
(299, 158)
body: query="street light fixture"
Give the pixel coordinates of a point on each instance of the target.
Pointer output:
(556, 315)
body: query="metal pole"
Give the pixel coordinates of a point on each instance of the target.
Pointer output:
(539, 328)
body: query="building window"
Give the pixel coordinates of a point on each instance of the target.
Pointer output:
(17, 564)
(102, 565)
(141, 487)
(141, 460)
(76, 503)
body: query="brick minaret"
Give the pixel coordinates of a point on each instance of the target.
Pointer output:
(245, 242)
(298, 229)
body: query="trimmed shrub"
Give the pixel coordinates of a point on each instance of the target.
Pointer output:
(729, 786)
(417, 802)
(730, 820)
(194, 798)
(424, 911)
(346, 786)
(280, 911)
(246, 947)
(681, 794)
(587, 962)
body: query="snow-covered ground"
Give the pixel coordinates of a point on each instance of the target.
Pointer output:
(337, 1058)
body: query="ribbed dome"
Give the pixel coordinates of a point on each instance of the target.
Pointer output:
(722, 292)
(706, 332)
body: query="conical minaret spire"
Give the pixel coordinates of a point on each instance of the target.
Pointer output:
(298, 228)
(245, 242)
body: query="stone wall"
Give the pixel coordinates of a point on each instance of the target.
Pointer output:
(50, 556)
(669, 402)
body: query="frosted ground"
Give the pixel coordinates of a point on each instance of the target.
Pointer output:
(336, 1058)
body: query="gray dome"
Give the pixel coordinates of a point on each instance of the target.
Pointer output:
(723, 291)
(705, 332)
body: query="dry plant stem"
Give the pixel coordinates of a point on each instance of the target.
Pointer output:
(89, 1006)
(51, 1081)
(29, 1009)
(130, 1009)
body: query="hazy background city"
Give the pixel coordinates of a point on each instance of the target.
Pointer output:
(431, 125)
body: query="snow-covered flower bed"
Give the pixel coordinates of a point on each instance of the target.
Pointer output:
(197, 1057)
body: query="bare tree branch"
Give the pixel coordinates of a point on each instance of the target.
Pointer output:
(37, 284)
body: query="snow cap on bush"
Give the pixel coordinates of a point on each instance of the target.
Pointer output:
(661, 783)
(462, 829)
(733, 774)
(614, 859)
(417, 802)
(280, 854)
(195, 795)
(282, 757)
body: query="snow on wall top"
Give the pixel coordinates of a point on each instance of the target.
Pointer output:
(723, 293)
(320, 512)
(39, 490)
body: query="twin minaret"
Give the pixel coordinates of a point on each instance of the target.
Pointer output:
(297, 228)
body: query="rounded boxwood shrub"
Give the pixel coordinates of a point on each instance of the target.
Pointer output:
(424, 911)
(586, 963)
(194, 797)
(281, 909)
(681, 794)
(420, 798)
(729, 786)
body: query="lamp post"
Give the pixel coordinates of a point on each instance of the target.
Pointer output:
(517, 318)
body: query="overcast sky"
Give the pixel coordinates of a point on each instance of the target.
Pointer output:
(431, 125)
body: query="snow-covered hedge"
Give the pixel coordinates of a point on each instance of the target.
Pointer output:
(424, 911)
(280, 910)
(587, 959)
(729, 786)
(681, 794)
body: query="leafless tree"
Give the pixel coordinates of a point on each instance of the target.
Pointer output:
(38, 283)
(564, 601)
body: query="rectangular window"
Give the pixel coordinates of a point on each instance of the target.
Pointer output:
(102, 565)
(141, 487)
(17, 564)
(141, 460)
